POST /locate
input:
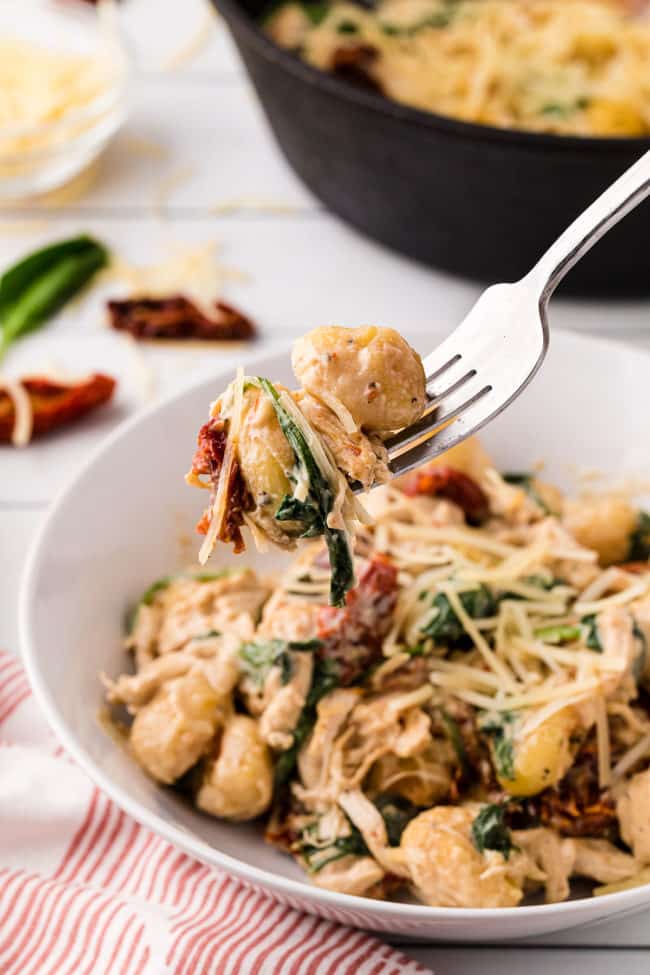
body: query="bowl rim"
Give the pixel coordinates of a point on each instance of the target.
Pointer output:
(315, 78)
(183, 839)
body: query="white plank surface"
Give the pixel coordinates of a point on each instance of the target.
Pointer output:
(195, 163)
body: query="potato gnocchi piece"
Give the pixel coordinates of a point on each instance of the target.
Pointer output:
(171, 733)
(238, 780)
(446, 868)
(372, 371)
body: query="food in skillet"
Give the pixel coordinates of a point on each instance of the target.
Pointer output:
(282, 463)
(573, 67)
(472, 725)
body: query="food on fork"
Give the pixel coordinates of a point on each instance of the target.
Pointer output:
(284, 463)
(472, 725)
(570, 67)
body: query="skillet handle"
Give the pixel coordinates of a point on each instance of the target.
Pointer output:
(616, 202)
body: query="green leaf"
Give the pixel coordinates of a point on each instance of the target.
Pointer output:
(592, 638)
(445, 627)
(38, 286)
(316, 11)
(456, 739)
(558, 634)
(347, 27)
(640, 539)
(489, 830)
(317, 857)
(150, 594)
(564, 109)
(259, 656)
(397, 812)
(499, 728)
(319, 503)
(325, 678)
(291, 509)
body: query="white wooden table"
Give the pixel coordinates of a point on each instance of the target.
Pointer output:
(210, 171)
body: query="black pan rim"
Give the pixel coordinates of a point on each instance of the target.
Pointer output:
(534, 141)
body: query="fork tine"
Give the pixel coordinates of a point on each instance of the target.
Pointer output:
(443, 368)
(440, 437)
(414, 432)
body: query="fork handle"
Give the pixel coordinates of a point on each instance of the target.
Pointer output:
(617, 201)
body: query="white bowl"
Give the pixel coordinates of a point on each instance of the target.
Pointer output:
(127, 519)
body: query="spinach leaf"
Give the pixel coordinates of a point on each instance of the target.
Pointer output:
(499, 728)
(640, 539)
(347, 27)
(397, 812)
(558, 634)
(456, 739)
(150, 594)
(545, 582)
(489, 830)
(318, 504)
(258, 657)
(592, 638)
(324, 679)
(446, 628)
(317, 857)
(316, 11)
(39, 285)
(563, 109)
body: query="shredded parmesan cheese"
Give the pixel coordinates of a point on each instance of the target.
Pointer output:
(218, 513)
(23, 413)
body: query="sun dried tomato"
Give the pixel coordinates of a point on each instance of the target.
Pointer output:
(352, 62)
(577, 806)
(208, 461)
(352, 635)
(177, 317)
(447, 482)
(55, 404)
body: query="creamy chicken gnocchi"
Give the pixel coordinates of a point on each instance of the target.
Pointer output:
(471, 726)
(284, 463)
(571, 67)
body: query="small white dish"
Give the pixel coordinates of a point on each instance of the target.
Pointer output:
(127, 519)
(36, 157)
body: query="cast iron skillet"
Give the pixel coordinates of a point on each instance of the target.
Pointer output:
(472, 199)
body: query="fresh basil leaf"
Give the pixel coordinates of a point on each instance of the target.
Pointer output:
(38, 286)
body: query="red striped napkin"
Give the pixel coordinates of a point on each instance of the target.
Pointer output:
(85, 890)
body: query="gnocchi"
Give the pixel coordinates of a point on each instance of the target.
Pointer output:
(238, 780)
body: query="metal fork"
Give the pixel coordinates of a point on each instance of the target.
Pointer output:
(494, 353)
